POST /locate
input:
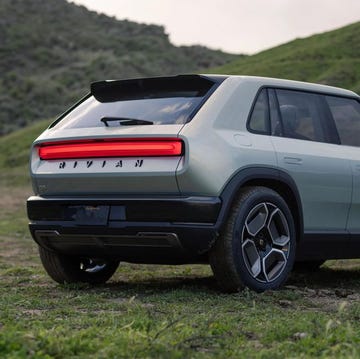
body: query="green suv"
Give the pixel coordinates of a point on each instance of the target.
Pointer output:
(248, 174)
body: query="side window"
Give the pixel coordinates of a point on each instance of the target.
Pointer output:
(276, 127)
(300, 115)
(259, 119)
(346, 115)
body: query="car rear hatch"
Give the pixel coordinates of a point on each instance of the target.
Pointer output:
(120, 139)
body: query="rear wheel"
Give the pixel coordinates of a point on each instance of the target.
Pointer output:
(257, 247)
(68, 269)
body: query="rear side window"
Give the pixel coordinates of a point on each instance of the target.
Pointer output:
(300, 115)
(158, 101)
(259, 119)
(346, 115)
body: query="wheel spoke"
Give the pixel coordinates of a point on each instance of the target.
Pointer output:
(266, 242)
(256, 220)
(278, 228)
(273, 264)
(252, 257)
(257, 246)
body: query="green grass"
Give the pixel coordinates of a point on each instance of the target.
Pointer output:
(331, 58)
(173, 312)
(15, 154)
(148, 311)
(15, 180)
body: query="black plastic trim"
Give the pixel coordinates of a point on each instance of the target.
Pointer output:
(257, 173)
(135, 229)
(149, 209)
(136, 242)
(328, 245)
(123, 90)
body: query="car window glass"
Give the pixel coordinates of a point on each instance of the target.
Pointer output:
(300, 115)
(161, 111)
(346, 115)
(158, 101)
(276, 127)
(259, 119)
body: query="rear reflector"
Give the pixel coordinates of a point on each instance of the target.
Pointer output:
(110, 148)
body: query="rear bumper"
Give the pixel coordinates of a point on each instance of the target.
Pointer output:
(141, 230)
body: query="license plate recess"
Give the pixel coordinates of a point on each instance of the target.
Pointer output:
(88, 214)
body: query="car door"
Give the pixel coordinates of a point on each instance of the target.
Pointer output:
(322, 173)
(346, 116)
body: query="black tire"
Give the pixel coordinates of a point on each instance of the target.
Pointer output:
(245, 253)
(68, 269)
(308, 266)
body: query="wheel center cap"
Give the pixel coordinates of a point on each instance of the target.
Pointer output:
(261, 241)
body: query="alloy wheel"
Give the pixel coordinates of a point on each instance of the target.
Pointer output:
(265, 242)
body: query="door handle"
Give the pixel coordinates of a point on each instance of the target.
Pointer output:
(293, 160)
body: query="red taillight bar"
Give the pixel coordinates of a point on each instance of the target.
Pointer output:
(110, 148)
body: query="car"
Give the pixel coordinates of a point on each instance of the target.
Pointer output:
(252, 175)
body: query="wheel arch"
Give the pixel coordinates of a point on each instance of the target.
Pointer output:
(272, 178)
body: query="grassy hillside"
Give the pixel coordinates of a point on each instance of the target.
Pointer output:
(14, 154)
(51, 50)
(331, 58)
(15, 185)
(149, 311)
(14, 148)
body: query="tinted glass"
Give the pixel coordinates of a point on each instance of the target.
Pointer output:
(276, 127)
(158, 101)
(160, 111)
(259, 120)
(346, 114)
(301, 115)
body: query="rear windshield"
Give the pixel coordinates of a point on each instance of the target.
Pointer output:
(159, 101)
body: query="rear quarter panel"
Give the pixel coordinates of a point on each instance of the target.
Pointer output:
(217, 142)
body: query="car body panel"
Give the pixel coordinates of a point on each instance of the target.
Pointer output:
(220, 156)
(353, 154)
(324, 180)
(135, 175)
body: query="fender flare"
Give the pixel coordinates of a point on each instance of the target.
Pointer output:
(240, 178)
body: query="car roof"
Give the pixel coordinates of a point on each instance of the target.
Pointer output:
(284, 83)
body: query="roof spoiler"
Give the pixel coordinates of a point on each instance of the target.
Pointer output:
(152, 87)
